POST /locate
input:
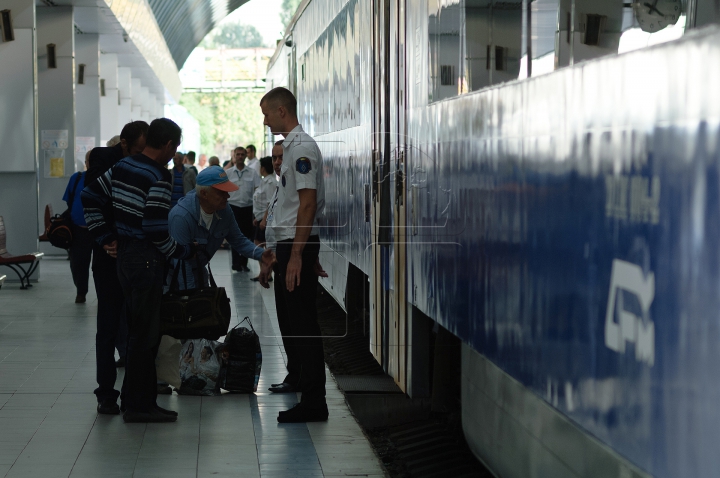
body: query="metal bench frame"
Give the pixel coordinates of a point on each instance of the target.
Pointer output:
(24, 266)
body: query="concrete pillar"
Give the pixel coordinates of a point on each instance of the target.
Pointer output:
(125, 95)
(18, 133)
(87, 97)
(136, 101)
(145, 104)
(110, 101)
(56, 107)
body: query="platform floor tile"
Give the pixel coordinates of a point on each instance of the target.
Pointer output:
(47, 407)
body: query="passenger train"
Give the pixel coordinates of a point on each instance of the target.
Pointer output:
(540, 181)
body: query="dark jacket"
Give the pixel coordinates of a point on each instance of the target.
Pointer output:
(102, 159)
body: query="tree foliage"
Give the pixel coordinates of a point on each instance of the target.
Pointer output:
(226, 120)
(234, 35)
(287, 10)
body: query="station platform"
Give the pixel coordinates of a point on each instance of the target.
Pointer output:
(49, 426)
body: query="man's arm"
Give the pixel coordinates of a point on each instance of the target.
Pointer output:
(240, 243)
(94, 197)
(155, 222)
(303, 227)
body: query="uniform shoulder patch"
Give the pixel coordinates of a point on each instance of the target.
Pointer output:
(303, 165)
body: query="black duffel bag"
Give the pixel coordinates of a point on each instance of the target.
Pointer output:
(241, 360)
(200, 313)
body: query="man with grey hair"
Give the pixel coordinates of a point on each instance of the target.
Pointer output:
(202, 216)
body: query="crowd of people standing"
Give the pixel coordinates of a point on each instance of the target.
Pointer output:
(134, 213)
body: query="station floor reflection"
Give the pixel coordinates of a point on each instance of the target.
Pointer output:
(49, 426)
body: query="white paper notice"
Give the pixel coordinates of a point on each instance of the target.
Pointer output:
(83, 144)
(54, 139)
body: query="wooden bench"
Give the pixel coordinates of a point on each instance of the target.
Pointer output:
(23, 266)
(48, 215)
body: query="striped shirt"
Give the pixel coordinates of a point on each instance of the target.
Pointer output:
(140, 191)
(177, 189)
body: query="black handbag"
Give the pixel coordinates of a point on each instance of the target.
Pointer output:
(200, 313)
(59, 232)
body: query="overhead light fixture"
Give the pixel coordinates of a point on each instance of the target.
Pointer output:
(8, 34)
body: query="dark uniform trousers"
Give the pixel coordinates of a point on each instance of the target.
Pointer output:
(244, 219)
(297, 318)
(111, 322)
(141, 273)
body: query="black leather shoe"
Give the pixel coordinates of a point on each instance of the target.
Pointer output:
(245, 269)
(255, 279)
(120, 362)
(302, 414)
(154, 416)
(108, 407)
(282, 388)
(80, 299)
(166, 411)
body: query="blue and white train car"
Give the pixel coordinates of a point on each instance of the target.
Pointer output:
(540, 178)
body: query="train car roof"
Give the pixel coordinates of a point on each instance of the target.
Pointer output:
(288, 30)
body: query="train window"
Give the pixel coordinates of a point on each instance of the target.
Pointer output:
(482, 39)
(486, 42)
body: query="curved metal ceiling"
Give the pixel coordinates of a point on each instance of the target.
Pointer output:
(184, 23)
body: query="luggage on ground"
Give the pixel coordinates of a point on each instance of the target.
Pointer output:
(241, 360)
(200, 313)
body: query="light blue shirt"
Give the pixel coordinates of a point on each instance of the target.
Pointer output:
(186, 226)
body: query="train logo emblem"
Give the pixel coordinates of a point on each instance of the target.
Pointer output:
(628, 311)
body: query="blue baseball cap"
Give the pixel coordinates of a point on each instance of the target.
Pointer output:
(216, 177)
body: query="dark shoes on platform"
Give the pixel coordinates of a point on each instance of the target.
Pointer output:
(241, 268)
(302, 414)
(157, 415)
(108, 407)
(282, 388)
(80, 299)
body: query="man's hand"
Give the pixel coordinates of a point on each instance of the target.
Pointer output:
(292, 273)
(263, 223)
(266, 264)
(319, 271)
(255, 222)
(111, 249)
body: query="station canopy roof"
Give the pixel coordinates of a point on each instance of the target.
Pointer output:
(135, 30)
(184, 23)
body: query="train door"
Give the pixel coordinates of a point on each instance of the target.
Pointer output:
(388, 166)
(381, 217)
(397, 318)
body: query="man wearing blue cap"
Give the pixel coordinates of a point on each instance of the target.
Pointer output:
(202, 216)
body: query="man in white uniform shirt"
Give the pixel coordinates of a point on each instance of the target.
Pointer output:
(241, 202)
(294, 226)
(252, 161)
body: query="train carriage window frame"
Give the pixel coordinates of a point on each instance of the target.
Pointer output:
(480, 43)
